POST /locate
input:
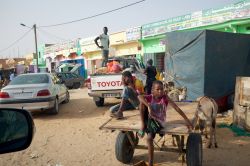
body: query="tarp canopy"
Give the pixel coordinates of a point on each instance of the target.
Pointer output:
(207, 62)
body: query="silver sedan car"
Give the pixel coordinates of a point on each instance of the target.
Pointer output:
(34, 91)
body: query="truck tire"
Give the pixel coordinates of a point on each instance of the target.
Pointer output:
(100, 102)
(194, 150)
(76, 85)
(124, 151)
(55, 108)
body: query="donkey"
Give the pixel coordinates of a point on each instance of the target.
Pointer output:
(205, 118)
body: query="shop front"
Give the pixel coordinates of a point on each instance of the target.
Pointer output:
(93, 61)
(91, 54)
(154, 48)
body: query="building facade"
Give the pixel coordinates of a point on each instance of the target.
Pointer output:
(232, 18)
(68, 52)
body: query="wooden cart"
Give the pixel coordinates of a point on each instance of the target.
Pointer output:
(127, 140)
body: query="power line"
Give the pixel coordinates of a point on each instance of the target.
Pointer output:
(53, 25)
(2, 50)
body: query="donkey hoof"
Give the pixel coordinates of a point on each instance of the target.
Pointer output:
(215, 145)
(209, 146)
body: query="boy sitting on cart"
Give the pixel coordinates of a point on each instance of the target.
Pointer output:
(129, 96)
(153, 114)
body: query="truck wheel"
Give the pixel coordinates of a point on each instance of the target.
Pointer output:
(100, 102)
(55, 109)
(194, 150)
(124, 151)
(76, 85)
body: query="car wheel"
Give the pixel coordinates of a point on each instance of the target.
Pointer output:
(69, 87)
(55, 108)
(67, 98)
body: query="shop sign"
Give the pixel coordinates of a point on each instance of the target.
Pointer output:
(238, 10)
(133, 34)
(61, 46)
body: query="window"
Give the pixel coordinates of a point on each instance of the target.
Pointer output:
(30, 79)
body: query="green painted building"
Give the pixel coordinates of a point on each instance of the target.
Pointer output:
(234, 18)
(41, 60)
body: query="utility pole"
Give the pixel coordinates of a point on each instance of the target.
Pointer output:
(34, 27)
(37, 68)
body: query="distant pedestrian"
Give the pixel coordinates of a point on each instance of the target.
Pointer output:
(151, 72)
(12, 75)
(104, 39)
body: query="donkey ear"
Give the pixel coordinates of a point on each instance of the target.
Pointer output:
(199, 98)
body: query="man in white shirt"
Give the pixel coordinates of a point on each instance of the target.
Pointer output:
(12, 75)
(104, 39)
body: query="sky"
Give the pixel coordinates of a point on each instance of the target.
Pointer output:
(50, 12)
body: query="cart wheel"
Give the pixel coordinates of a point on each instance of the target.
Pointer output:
(194, 150)
(124, 151)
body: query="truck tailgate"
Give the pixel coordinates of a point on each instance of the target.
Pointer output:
(106, 82)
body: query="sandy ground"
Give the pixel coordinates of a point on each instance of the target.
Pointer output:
(73, 138)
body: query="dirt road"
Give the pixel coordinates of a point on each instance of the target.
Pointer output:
(72, 138)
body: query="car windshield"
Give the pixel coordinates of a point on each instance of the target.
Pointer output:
(30, 79)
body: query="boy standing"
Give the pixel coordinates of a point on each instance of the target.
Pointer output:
(154, 116)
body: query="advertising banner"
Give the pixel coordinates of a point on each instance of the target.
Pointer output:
(62, 47)
(235, 11)
(133, 34)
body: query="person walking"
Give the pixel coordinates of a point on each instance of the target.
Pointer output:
(104, 39)
(151, 72)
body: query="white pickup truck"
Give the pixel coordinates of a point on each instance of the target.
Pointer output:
(110, 85)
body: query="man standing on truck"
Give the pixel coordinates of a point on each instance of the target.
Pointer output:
(104, 39)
